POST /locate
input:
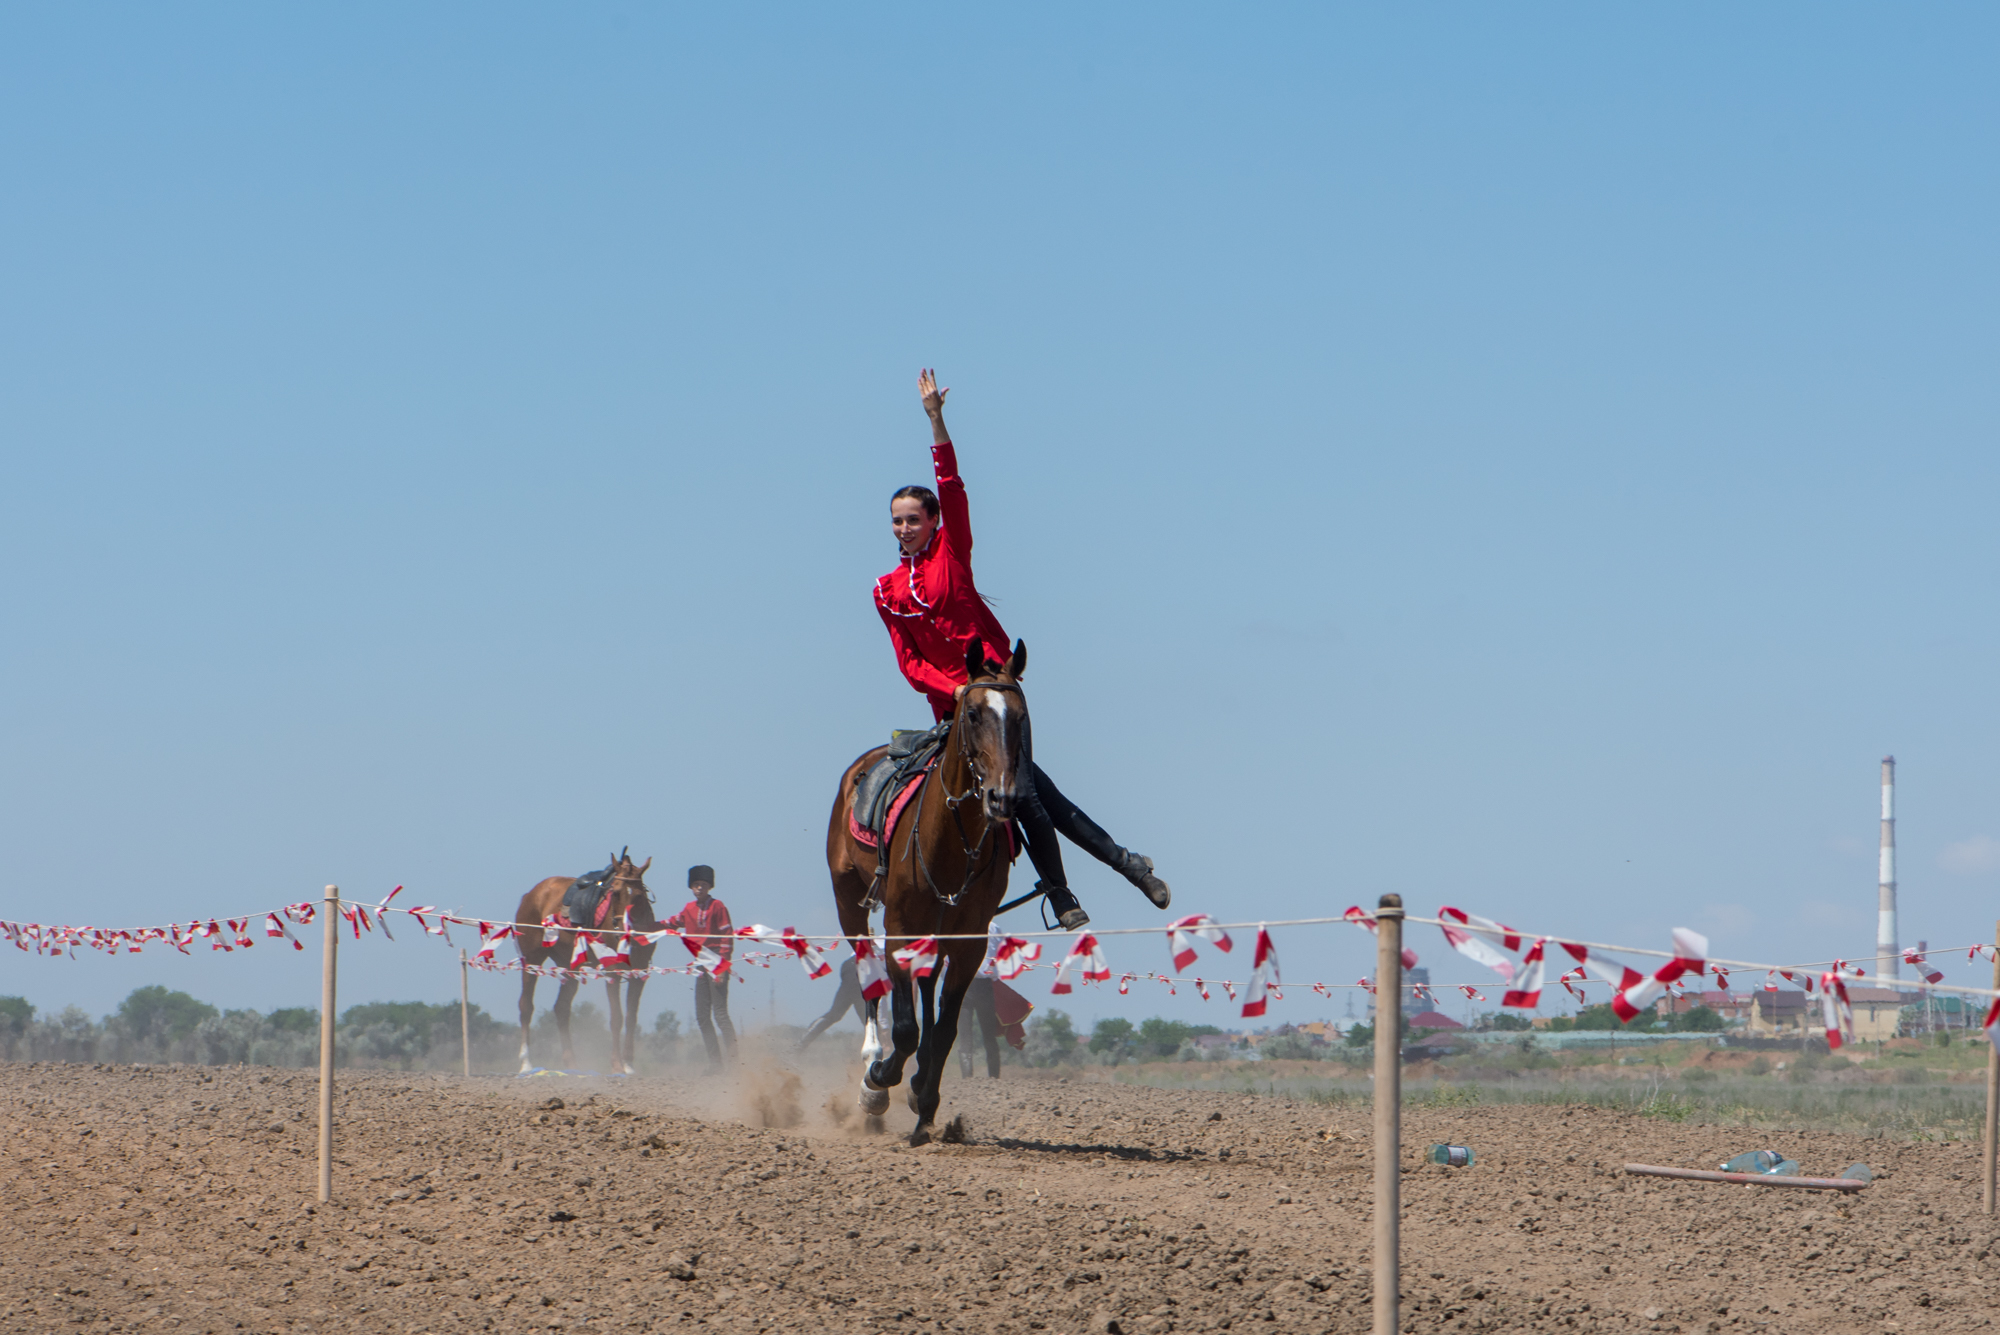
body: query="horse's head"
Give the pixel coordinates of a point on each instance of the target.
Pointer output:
(627, 888)
(992, 728)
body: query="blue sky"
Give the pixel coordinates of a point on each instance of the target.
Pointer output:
(1537, 460)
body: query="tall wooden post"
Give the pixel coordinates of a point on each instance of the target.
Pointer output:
(464, 1012)
(1388, 1113)
(328, 962)
(1993, 1088)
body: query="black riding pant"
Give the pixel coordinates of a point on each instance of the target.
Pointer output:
(711, 1011)
(979, 1003)
(846, 999)
(1044, 813)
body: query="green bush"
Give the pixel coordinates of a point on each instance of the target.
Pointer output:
(1159, 1038)
(154, 1013)
(1051, 1039)
(1293, 1047)
(15, 1016)
(1506, 1022)
(1113, 1039)
(1700, 1020)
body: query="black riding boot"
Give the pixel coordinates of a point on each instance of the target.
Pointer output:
(1045, 851)
(1092, 838)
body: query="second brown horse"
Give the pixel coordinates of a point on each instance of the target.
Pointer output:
(949, 853)
(627, 893)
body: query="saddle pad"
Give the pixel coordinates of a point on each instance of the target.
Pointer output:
(896, 805)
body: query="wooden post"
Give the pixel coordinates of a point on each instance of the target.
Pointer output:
(1388, 1113)
(1992, 1088)
(464, 1012)
(328, 961)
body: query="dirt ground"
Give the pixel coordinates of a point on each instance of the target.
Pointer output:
(181, 1199)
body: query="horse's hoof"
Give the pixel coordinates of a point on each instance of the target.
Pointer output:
(921, 1136)
(874, 1102)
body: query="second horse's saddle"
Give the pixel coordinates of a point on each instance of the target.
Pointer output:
(585, 900)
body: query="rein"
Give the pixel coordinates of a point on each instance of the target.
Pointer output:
(952, 801)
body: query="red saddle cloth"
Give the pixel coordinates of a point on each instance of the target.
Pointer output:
(896, 805)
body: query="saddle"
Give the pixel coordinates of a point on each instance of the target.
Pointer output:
(585, 901)
(886, 787)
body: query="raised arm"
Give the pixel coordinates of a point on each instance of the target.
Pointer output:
(952, 507)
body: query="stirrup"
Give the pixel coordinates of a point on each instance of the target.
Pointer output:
(873, 899)
(1069, 913)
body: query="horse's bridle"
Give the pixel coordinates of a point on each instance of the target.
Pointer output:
(952, 802)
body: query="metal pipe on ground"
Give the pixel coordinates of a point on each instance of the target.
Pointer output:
(1748, 1179)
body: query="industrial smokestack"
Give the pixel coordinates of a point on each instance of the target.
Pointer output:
(1886, 961)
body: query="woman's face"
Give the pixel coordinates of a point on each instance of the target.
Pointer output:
(912, 524)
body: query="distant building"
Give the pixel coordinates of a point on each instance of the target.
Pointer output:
(1722, 1003)
(1436, 1021)
(1778, 1014)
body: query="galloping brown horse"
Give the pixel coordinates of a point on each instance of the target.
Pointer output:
(626, 893)
(949, 852)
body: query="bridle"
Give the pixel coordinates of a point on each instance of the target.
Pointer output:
(952, 801)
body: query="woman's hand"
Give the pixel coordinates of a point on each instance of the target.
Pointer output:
(932, 395)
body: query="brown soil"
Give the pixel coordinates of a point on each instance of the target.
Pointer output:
(181, 1199)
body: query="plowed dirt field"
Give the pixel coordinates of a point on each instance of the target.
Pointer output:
(182, 1199)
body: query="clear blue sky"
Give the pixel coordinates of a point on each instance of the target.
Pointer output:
(1537, 459)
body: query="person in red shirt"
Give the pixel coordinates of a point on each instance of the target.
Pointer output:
(933, 611)
(706, 922)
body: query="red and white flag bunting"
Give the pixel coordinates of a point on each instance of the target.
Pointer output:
(1526, 994)
(1181, 936)
(1927, 971)
(920, 957)
(1014, 955)
(1476, 937)
(490, 938)
(1690, 956)
(1361, 917)
(1993, 1024)
(874, 973)
(1084, 957)
(811, 958)
(1838, 1014)
(1263, 975)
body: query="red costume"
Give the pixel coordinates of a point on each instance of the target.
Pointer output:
(709, 927)
(928, 601)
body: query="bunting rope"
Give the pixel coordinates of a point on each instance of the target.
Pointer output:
(606, 951)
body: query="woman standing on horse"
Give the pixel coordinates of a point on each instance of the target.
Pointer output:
(933, 612)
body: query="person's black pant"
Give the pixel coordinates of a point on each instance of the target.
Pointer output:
(979, 1002)
(1044, 812)
(711, 1011)
(846, 999)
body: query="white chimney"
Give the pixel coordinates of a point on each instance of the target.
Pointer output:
(1886, 961)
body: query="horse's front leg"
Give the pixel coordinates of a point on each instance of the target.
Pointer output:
(633, 989)
(527, 1013)
(564, 997)
(904, 1033)
(940, 1032)
(612, 986)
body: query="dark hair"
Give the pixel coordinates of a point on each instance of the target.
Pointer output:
(916, 493)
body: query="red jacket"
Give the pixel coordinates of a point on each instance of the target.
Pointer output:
(929, 603)
(708, 927)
